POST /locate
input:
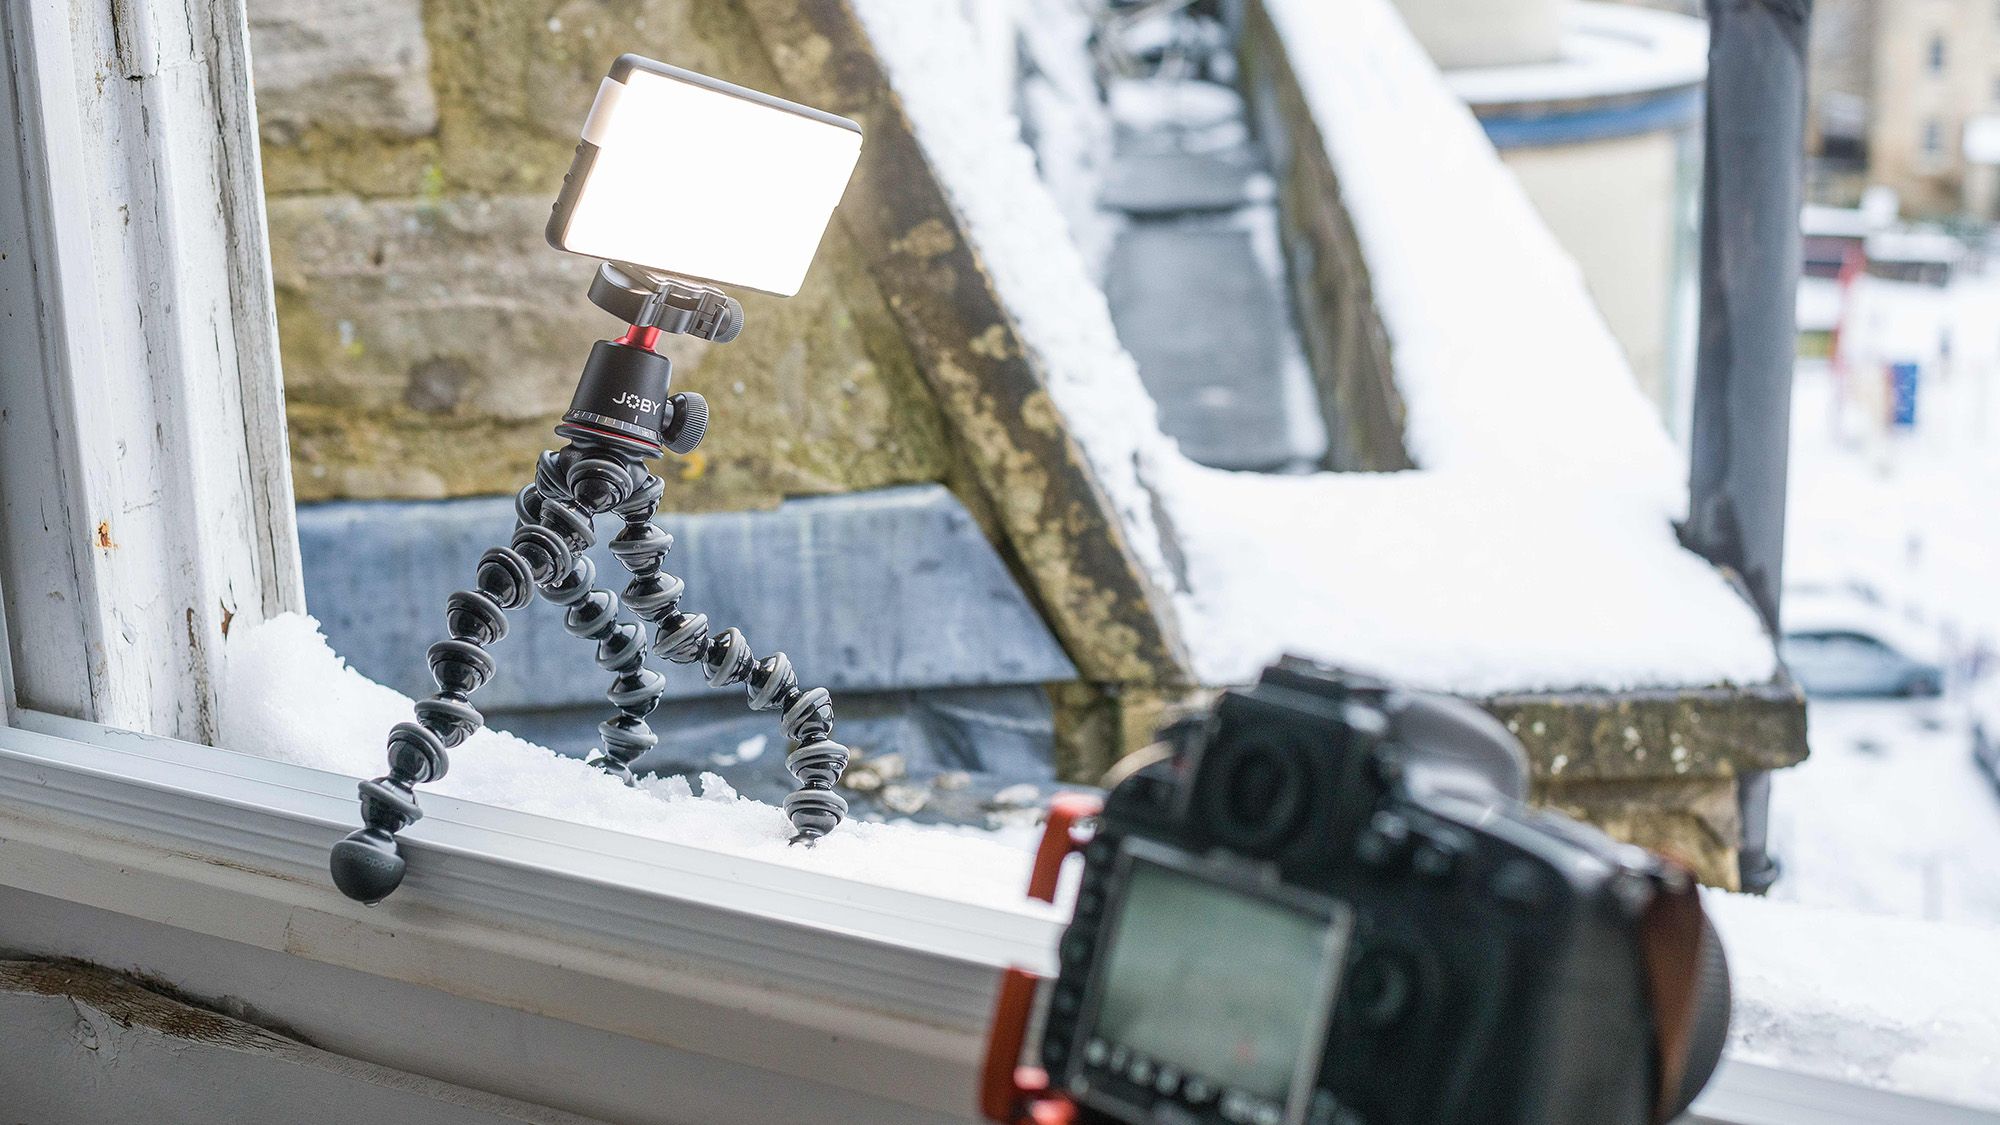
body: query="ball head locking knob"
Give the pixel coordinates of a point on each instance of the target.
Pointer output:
(689, 422)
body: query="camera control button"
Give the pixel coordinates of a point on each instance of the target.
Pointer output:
(1167, 1080)
(1096, 1052)
(1197, 1091)
(1435, 857)
(1076, 946)
(1142, 1071)
(1119, 1057)
(1267, 1113)
(1383, 840)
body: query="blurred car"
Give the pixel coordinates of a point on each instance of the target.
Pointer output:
(1849, 662)
(1984, 722)
(1843, 646)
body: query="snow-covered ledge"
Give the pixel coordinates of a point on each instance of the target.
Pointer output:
(1526, 554)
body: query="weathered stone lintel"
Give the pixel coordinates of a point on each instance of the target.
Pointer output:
(1658, 768)
(1660, 734)
(1608, 758)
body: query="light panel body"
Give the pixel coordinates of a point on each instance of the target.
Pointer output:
(689, 175)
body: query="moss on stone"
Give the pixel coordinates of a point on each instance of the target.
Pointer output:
(513, 82)
(430, 348)
(1708, 732)
(431, 339)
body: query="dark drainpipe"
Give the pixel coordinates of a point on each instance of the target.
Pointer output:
(1750, 254)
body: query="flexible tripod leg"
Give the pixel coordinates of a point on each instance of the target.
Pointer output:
(817, 761)
(546, 553)
(367, 864)
(586, 481)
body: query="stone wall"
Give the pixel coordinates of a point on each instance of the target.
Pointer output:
(431, 337)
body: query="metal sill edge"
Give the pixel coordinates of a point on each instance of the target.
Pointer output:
(895, 953)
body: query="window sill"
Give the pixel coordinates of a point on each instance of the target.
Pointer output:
(883, 991)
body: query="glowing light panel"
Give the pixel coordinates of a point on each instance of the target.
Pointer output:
(712, 183)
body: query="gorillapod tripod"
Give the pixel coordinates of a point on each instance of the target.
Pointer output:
(621, 416)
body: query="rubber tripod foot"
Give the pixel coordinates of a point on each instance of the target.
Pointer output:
(367, 866)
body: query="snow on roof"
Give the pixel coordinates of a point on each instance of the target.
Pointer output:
(1914, 244)
(1835, 222)
(1533, 551)
(1895, 1003)
(1819, 302)
(1608, 50)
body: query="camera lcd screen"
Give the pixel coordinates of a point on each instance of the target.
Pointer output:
(693, 176)
(1216, 982)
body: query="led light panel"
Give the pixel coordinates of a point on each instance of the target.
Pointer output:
(690, 175)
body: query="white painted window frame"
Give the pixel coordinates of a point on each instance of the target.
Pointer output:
(145, 509)
(145, 488)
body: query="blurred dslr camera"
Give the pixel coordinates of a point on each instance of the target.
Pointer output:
(1330, 906)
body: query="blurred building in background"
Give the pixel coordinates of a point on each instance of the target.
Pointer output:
(1906, 94)
(1839, 93)
(1597, 109)
(1936, 93)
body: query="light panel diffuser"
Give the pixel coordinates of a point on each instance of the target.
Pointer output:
(692, 176)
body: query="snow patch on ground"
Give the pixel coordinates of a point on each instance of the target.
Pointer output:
(1889, 816)
(1903, 1005)
(1534, 549)
(289, 697)
(1911, 515)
